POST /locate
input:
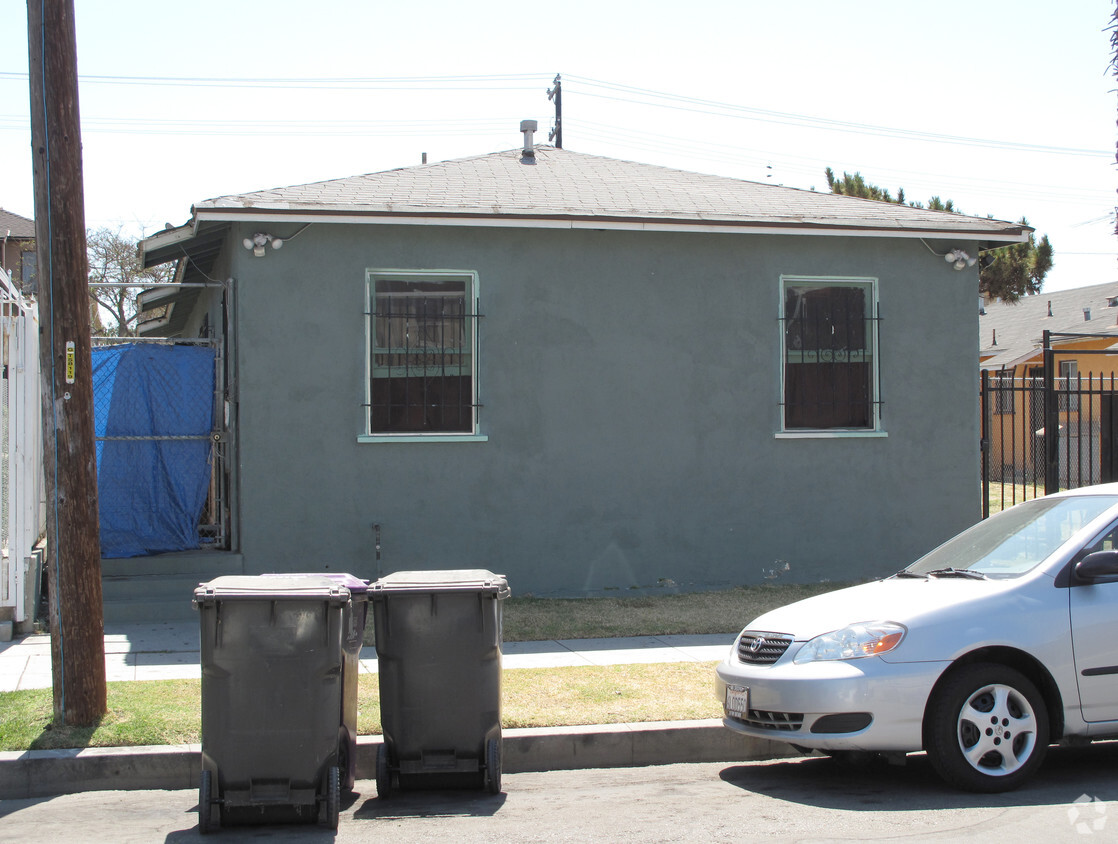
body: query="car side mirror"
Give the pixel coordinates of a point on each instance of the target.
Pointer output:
(1096, 565)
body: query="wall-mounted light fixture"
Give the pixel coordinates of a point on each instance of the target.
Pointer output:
(258, 241)
(960, 259)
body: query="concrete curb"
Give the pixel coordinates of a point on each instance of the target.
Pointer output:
(45, 773)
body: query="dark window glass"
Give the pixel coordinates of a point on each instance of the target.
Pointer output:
(828, 356)
(422, 378)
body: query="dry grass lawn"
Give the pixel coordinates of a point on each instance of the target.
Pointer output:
(168, 711)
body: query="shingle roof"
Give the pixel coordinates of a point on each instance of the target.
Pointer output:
(565, 187)
(1011, 332)
(20, 227)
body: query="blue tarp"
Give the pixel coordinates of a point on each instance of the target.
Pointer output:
(151, 492)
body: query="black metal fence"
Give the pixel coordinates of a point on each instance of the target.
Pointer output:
(1048, 429)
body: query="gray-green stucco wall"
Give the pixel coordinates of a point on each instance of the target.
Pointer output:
(630, 383)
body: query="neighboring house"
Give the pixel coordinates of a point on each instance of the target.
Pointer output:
(1082, 326)
(1011, 333)
(17, 249)
(585, 373)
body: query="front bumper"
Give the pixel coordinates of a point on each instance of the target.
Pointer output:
(860, 704)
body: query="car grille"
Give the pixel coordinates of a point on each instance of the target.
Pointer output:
(762, 648)
(785, 722)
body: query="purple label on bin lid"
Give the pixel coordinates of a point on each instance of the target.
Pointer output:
(275, 586)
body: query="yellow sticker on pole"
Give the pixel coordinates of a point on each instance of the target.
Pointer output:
(71, 361)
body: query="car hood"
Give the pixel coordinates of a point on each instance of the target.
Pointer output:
(904, 600)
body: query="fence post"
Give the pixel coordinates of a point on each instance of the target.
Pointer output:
(1051, 420)
(984, 442)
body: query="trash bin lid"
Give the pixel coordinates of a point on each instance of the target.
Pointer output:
(354, 584)
(271, 587)
(442, 580)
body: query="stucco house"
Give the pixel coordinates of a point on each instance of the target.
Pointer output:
(584, 373)
(17, 249)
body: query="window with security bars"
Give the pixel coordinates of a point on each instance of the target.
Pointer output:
(1068, 386)
(829, 338)
(423, 353)
(1002, 384)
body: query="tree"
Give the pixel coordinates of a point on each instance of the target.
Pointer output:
(113, 258)
(1006, 273)
(856, 185)
(1010, 272)
(1114, 66)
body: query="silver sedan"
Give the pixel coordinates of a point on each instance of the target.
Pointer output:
(982, 653)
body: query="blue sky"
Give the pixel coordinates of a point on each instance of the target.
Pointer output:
(1004, 106)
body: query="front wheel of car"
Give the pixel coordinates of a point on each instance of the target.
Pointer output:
(986, 728)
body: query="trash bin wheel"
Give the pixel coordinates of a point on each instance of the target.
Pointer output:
(346, 760)
(492, 779)
(384, 774)
(331, 800)
(208, 815)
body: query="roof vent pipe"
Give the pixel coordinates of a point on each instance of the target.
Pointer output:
(528, 127)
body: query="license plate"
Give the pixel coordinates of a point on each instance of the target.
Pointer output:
(737, 701)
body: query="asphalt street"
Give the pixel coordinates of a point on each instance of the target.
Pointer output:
(1075, 798)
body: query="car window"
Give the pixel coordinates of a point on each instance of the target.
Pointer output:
(1107, 542)
(1016, 540)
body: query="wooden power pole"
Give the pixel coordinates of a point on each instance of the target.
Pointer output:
(556, 94)
(73, 540)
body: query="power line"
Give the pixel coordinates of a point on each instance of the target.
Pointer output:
(367, 128)
(813, 167)
(807, 169)
(525, 81)
(712, 107)
(402, 83)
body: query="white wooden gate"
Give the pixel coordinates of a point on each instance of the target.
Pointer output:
(22, 515)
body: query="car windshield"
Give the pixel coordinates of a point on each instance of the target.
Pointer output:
(1014, 541)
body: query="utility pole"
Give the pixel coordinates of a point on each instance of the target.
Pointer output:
(556, 94)
(73, 538)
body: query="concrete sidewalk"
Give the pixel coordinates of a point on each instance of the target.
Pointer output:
(170, 652)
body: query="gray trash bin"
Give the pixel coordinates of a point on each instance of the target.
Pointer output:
(438, 642)
(278, 729)
(353, 636)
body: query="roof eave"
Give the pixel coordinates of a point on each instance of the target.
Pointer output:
(524, 219)
(165, 246)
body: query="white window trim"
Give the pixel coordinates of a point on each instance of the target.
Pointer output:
(1067, 372)
(423, 438)
(876, 432)
(474, 296)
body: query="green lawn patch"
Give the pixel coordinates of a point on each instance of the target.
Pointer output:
(154, 712)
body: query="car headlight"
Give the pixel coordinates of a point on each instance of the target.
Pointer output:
(855, 641)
